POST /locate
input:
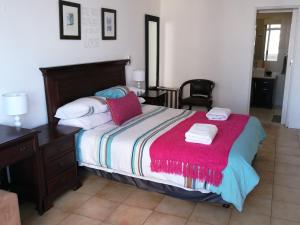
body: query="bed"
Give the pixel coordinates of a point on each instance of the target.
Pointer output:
(67, 83)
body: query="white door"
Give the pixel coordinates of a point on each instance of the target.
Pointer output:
(289, 69)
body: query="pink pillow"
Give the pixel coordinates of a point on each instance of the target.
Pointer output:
(125, 108)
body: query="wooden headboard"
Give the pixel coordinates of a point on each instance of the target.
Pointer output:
(64, 84)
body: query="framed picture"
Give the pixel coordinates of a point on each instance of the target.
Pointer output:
(69, 20)
(109, 24)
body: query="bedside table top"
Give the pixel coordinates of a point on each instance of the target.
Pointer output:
(10, 134)
(50, 133)
(153, 94)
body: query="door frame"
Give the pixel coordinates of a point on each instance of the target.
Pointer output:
(291, 54)
(289, 69)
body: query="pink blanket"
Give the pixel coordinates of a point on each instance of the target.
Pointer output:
(171, 154)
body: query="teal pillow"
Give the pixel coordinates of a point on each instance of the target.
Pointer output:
(113, 92)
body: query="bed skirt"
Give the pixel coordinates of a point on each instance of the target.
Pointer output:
(195, 196)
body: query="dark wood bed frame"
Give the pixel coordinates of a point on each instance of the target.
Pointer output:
(64, 84)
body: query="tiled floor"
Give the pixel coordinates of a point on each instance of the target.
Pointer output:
(265, 115)
(276, 200)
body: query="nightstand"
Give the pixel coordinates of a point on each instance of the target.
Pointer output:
(57, 145)
(19, 150)
(154, 97)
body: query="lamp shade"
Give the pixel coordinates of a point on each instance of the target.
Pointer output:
(139, 75)
(15, 103)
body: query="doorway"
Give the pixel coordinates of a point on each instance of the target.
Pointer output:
(270, 65)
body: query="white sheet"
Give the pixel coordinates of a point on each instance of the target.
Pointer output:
(121, 158)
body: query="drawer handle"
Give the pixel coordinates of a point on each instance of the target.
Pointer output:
(265, 89)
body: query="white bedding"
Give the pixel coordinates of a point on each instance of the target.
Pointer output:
(118, 149)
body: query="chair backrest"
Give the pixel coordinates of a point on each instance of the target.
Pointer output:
(201, 87)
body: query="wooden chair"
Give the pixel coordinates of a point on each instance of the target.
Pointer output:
(200, 93)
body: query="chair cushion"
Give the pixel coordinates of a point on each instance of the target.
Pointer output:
(197, 101)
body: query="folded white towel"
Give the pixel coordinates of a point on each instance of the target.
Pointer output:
(218, 114)
(201, 133)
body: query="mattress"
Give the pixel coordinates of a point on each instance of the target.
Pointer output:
(117, 149)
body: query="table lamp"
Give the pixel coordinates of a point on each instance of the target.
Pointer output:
(139, 76)
(15, 104)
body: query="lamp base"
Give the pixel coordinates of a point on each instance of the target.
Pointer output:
(17, 122)
(139, 85)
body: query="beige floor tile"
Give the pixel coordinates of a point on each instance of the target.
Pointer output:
(287, 135)
(287, 159)
(97, 208)
(125, 215)
(284, 210)
(264, 115)
(164, 219)
(257, 205)
(27, 210)
(265, 156)
(51, 217)
(71, 201)
(268, 145)
(288, 151)
(294, 143)
(144, 199)
(210, 214)
(86, 175)
(266, 176)
(176, 207)
(282, 168)
(93, 186)
(275, 221)
(261, 165)
(115, 191)
(249, 219)
(271, 135)
(79, 220)
(196, 223)
(287, 181)
(281, 193)
(285, 132)
(262, 190)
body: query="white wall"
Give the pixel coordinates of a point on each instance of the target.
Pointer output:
(215, 39)
(29, 39)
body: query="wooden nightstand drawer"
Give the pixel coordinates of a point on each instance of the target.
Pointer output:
(16, 152)
(57, 149)
(57, 166)
(62, 181)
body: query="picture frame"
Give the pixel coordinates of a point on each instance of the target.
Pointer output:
(109, 24)
(69, 20)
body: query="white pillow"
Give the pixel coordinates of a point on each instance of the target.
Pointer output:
(88, 122)
(141, 100)
(82, 107)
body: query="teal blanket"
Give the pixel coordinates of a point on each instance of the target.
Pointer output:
(239, 177)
